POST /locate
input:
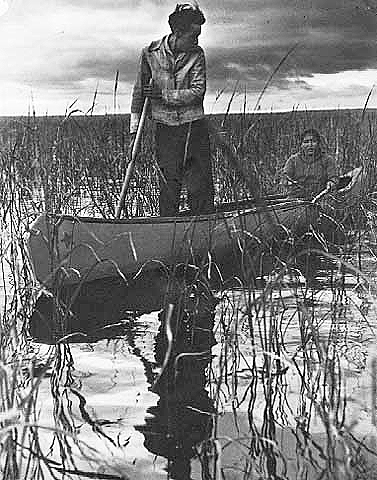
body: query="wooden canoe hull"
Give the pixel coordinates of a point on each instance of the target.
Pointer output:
(81, 249)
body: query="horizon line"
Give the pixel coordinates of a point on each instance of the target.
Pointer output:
(255, 112)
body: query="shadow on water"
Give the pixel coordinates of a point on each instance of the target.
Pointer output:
(178, 426)
(100, 309)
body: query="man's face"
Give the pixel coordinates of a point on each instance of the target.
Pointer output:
(189, 39)
(309, 145)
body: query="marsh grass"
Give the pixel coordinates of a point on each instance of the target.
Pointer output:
(75, 165)
(258, 387)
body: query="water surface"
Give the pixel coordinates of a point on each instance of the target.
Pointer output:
(268, 370)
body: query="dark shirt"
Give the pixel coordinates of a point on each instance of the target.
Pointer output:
(307, 176)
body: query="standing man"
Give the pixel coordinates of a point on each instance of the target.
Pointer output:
(172, 74)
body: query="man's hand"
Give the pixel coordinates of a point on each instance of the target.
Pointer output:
(331, 185)
(152, 91)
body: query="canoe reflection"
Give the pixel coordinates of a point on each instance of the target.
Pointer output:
(98, 309)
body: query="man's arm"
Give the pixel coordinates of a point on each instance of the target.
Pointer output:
(143, 78)
(289, 173)
(290, 182)
(332, 174)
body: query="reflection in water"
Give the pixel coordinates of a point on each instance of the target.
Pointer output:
(280, 365)
(180, 421)
(97, 309)
(182, 418)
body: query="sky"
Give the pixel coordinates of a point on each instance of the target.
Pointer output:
(55, 54)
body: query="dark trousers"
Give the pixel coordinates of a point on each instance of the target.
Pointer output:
(183, 155)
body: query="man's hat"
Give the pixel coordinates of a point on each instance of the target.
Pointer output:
(185, 14)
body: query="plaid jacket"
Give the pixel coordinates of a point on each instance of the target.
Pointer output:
(182, 79)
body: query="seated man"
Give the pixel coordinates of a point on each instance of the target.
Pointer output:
(309, 171)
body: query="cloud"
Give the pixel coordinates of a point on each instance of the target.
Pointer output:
(72, 44)
(331, 37)
(4, 7)
(69, 46)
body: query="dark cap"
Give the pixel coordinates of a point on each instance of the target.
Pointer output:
(184, 15)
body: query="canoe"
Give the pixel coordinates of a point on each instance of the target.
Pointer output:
(81, 249)
(74, 249)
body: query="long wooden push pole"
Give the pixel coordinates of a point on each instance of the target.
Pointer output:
(131, 165)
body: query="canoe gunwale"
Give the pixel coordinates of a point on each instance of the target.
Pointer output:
(256, 209)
